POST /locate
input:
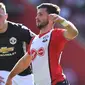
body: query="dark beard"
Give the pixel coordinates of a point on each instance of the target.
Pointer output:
(42, 25)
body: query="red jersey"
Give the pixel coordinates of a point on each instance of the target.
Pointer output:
(47, 49)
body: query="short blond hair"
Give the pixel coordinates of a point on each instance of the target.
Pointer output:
(2, 6)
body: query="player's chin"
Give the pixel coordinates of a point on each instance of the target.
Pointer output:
(39, 26)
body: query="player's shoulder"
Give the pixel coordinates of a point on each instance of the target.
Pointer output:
(58, 30)
(17, 25)
(13, 24)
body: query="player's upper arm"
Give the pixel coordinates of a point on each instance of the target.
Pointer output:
(27, 59)
(70, 31)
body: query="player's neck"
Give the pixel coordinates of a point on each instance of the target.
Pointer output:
(45, 29)
(4, 27)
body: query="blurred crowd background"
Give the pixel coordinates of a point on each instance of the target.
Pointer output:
(73, 59)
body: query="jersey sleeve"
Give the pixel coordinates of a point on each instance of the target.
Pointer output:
(60, 34)
(58, 40)
(26, 34)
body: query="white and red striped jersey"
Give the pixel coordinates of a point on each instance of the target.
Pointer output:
(46, 50)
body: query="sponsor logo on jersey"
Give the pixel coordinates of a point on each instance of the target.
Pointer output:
(40, 52)
(45, 38)
(6, 50)
(8, 54)
(13, 40)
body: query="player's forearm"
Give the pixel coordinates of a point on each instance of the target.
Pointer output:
(72, 31)
(69, 26)
(20, 66)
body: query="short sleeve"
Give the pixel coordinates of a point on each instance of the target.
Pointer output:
(60, 34)
(26, 34)
(58, 39)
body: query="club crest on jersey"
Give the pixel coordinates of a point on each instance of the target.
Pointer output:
(13, 40)
(45, 38)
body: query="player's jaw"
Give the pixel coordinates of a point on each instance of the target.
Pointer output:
(41, 23)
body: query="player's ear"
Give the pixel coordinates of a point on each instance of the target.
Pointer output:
(50, 17)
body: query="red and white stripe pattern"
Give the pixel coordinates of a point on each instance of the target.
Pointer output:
(46, 50)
